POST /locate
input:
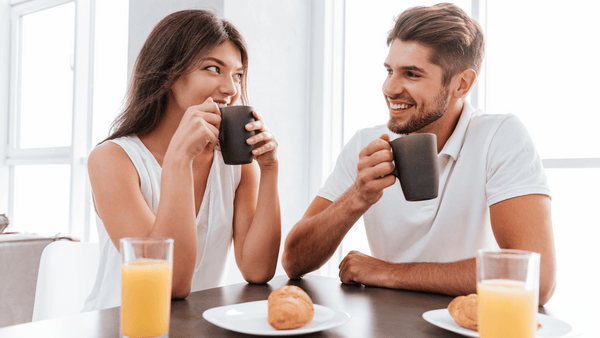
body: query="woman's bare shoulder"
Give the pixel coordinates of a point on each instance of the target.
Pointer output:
(109, 157)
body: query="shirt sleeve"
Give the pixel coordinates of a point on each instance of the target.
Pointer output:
(344, 172)
(514, 167)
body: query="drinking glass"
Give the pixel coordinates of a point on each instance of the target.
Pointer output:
(146, 275)
(507, 293)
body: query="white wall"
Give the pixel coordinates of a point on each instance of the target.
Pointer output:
(277, 35)
(145, 14)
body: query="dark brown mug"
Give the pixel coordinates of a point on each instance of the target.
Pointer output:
(233, 134)
(416, 166)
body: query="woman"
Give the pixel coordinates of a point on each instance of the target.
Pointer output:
(160, 172)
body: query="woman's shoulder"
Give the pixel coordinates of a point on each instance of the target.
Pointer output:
(107, 151)
(109, 157)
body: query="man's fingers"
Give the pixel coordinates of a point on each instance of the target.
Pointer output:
(374, 146)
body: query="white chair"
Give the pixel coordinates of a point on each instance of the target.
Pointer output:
(65, 278)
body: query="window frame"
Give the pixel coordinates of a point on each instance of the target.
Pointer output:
(74, 155)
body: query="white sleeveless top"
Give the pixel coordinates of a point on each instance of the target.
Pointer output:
(214, 224)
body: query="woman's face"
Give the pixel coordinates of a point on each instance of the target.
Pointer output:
(218, 76)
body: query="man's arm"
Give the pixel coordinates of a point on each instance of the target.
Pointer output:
(525, 223)
(522, 223)
(314, 239)
(456, 278)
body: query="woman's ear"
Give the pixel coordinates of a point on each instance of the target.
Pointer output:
(463, 82)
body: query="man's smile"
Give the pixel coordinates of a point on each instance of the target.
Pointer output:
(399, 105)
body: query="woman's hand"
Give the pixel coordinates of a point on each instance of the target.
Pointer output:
(265, 145)
(198, 130)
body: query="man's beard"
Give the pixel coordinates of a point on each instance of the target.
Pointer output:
(425, 115)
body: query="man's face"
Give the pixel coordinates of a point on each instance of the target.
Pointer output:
(413, 89)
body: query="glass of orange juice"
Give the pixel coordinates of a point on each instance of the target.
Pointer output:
(507, 293)
(146, 274)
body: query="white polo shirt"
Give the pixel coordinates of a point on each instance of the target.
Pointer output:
(489, 158)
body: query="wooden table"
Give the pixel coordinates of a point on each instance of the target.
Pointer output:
(374, 312)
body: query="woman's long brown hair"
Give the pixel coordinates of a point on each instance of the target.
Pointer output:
(177, 44)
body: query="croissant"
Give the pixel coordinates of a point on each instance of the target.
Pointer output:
(289, 308)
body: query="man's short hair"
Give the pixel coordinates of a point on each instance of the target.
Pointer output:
(456, 40)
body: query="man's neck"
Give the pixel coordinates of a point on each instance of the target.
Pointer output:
(445, 125)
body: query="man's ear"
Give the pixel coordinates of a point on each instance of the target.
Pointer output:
(462, 83)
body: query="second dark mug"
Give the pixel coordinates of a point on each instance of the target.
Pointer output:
(233, 134)
(416, 166)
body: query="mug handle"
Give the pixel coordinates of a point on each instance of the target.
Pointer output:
(395, 172)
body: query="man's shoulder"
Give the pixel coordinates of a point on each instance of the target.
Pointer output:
(370, 133)
(487, 122)
(485, 117)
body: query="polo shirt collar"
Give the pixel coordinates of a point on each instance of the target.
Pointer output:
(456, 140)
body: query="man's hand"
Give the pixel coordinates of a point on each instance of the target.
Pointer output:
(374, 168)
(359, 268)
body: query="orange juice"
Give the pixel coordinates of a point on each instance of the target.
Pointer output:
(506, 309)
(146, 298)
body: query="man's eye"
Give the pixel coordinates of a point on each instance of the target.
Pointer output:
(411, 74)
(389, 71)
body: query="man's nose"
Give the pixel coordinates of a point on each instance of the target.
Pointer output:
(392, 86)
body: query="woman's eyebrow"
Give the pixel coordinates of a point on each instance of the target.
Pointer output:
(210, 58)
(221, 63)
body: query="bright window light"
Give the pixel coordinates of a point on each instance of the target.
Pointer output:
(46, 91)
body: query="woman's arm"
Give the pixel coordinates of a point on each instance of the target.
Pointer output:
(257, 224)
(257, 215)
(124, 211)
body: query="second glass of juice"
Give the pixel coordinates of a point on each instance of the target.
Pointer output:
(146, 275)
(507, 293)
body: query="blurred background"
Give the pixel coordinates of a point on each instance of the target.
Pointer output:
(316, 71)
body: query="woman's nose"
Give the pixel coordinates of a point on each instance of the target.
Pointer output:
(229, 85)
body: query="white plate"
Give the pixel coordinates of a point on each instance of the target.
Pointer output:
(551, 327)
(251, 318)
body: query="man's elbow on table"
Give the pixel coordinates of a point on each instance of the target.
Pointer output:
(290, 266)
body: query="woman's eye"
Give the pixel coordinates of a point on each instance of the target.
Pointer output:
(238, 77)
(213, 69)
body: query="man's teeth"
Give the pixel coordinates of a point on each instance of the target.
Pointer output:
(400, 106)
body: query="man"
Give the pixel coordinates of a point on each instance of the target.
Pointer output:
(492, 193)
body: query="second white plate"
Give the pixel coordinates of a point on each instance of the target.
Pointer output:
(251, 318)
(551, 327)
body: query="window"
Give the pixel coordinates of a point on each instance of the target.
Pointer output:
(62, 54)
(543, 68)
(41, 111)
